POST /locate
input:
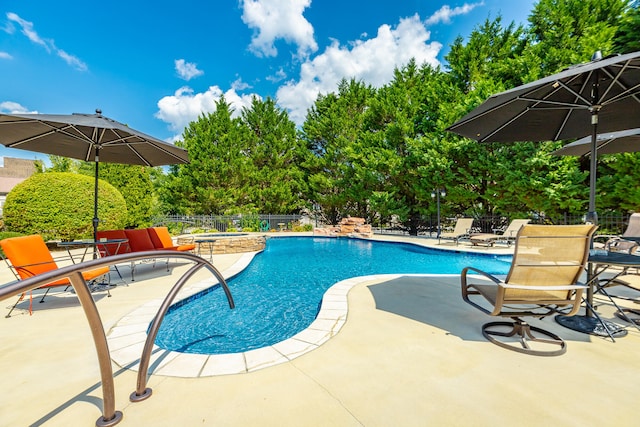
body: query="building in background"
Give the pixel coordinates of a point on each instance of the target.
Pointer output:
(13, 172)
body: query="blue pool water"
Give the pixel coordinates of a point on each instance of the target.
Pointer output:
(279, 293)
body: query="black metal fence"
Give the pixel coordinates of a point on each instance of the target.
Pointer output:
(607, 224)
(229, 223)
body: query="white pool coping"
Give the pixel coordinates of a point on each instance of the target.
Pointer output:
(127, 337)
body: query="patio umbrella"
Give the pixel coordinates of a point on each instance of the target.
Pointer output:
(626, 141)
(601, 95)
(88, 137)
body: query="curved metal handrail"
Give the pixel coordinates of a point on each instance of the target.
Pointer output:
(143, 392)
(110, 416)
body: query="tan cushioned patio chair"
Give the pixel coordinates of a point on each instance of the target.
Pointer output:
(626, 242)
(547, 263)
(508, 236)
(460, 231)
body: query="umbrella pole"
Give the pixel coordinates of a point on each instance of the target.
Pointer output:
(592, 215)
(95, 207)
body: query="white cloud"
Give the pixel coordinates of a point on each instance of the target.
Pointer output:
(184, 106)
(278, 76)
(445, 13)
(278, 19)
(29, 31)
(72, 60)
(239, 85)
(372, 61)
(5, 55)
(187, 70)
(10, 107)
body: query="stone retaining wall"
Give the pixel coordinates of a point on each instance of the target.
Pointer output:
(232, 245)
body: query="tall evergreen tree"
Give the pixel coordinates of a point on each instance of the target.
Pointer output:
(275, 182)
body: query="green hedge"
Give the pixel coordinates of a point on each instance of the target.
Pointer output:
(59, 205)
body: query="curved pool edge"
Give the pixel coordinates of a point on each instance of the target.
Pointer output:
(126, 338)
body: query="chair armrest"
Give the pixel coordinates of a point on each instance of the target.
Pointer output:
(605, 237)
(544, 288)
(463, 275)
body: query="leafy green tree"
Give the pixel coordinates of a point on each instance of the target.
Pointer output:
(59, 205)
(330, 132)
(568, 32)
(494, 52)
(618, 177)
(274, 180)
(63, 164)
(215, 180)
(627, 37)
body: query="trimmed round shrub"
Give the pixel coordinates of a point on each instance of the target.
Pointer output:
(59, 205)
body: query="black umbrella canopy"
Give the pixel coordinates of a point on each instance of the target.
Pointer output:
(88, 137)
(601, 95)
(560, 106)
(78, 136)
(626, 141)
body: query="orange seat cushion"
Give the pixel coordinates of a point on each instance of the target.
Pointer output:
(162, 240)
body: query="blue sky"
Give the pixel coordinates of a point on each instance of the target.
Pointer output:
(157, 65)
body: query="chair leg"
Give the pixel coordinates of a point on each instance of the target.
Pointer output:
(45, 294)
(119, 274)
(20, 298)
(524, 332)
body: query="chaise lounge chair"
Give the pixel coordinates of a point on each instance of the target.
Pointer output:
(28, 256)
(627, 241)
(508, 236)
(543, 279)
(461, 230)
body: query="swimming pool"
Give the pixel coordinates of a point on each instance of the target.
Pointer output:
(279, 293)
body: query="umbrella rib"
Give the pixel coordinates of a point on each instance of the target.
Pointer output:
(499, 128)
(42, 135)
(537, 102)
(165, 151)
(627, 91)
(138, 154)
(558, 103)
(124, 139)
(54, 130)
(577, 94)
(631, 92)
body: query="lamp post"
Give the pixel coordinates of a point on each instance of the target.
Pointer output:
(437, 193)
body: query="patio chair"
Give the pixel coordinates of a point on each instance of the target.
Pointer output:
(28, 256)
(508, 236)
(162, 240)
(547, 263)
(626, 242)
(461, 230)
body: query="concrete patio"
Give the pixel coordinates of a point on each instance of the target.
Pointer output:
(410, 354)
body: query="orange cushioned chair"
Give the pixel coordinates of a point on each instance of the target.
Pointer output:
(29, 256)
(162, 240)
(139, 241)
